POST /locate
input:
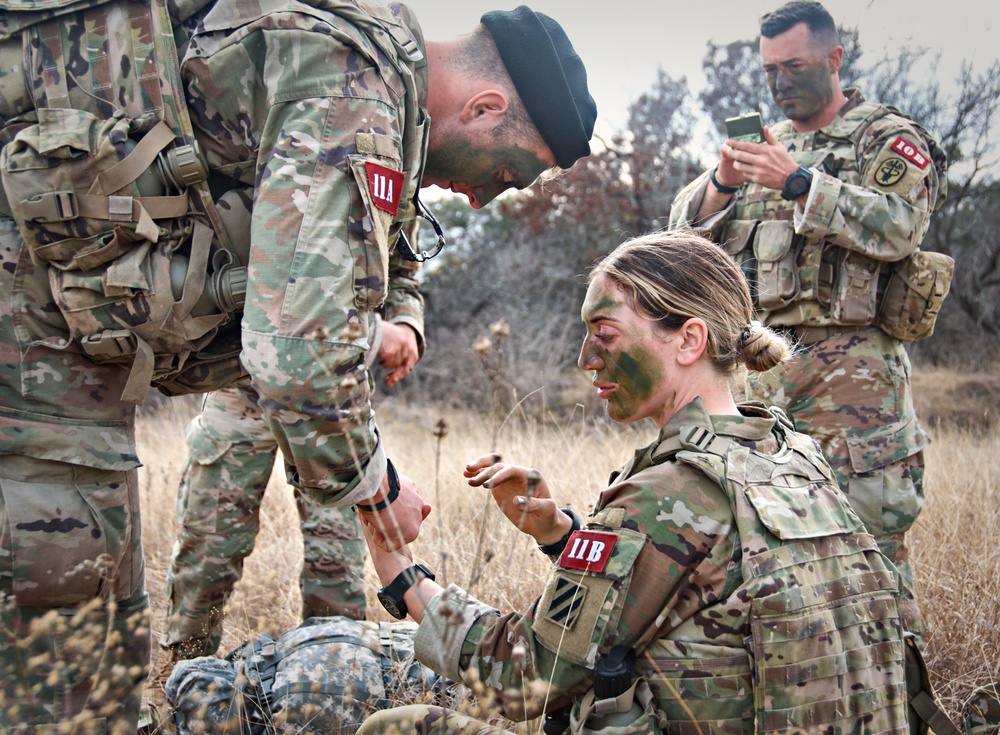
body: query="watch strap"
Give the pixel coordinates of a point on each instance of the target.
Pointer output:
(401, 584)
(390, 498)
(722, 188)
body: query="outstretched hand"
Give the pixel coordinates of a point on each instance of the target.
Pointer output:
(388, 564)
(522, 495)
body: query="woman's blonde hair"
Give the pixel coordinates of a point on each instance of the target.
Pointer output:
(672, 276)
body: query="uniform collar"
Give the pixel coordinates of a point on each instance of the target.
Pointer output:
(754, 421)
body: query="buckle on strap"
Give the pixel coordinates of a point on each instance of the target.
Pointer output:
(109, 344)
(52, 206)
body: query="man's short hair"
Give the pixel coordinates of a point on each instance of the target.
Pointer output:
(814, 15)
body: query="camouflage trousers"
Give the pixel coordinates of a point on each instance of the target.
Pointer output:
(426, 720)
(851, 393)
(74, 627)
(231, 453)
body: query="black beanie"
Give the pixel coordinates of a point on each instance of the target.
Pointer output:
(549, 77)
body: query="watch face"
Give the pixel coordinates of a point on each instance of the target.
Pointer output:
(799, 184)
(390, 605)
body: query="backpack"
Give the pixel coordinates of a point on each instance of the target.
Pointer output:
(107, 185)
(104, 177)
(324, 676)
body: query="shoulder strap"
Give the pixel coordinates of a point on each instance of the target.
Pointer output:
(921, 695)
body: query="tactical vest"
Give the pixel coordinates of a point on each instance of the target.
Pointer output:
(103, 174)
(801, 281)
(825, 649)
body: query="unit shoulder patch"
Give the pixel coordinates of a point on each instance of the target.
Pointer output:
(898, 168)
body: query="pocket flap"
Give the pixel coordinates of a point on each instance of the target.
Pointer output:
(773, 240)
(789, 508)
(883, 445)
(738, 235)
(65, 133)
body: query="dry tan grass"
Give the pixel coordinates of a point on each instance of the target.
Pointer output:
(955, 549)
(956, 554)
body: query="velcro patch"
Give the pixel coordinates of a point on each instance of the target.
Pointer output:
(386, 187)
(588, 551)
(889, 172)
(910, 152)
(566, 603)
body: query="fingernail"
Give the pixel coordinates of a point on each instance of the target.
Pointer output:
(520, 501)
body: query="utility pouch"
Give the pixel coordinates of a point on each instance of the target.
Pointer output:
(916, 288)
(981, 713)
(630, 713)
(74, 180)
(777, 275)
(108, 188)
(855, 289)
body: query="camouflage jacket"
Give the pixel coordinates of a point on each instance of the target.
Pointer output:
(702, 563)
(333, 141)
(877, 178)
(320, 109)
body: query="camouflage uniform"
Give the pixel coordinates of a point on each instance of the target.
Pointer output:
(817, 273)
(323, 677)
(732, 564)
(231, 453)
(302, 105)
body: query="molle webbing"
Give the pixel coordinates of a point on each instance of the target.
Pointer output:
(106, 82)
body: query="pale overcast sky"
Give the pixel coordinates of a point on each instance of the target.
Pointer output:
(623, 41)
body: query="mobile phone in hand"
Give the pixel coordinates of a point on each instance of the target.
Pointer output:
(745, 127)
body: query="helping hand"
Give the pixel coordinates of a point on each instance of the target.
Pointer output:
(388, 564)
(399, 523)
(522, 495)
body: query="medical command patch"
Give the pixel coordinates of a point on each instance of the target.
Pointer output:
(899, 168)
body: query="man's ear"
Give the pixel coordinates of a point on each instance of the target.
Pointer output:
(835, 59)
(487, 106)
(692, 341)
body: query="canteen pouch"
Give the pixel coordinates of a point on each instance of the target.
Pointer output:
(618, 716)
(916, 288)
(855, 289)
(777, 275)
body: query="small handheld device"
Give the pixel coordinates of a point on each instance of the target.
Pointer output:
(745, 127)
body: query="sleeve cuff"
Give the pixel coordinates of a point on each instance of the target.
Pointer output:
(448, 618)
(814, 219)
(369, 478)
(371, 357)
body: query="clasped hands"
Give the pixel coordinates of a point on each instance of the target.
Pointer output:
(521, 493)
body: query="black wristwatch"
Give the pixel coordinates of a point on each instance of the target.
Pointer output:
(391, 596)
(797, 183)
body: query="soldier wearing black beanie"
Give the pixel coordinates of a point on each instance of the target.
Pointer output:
(528, 41)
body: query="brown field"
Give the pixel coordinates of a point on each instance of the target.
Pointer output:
(955, 544)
